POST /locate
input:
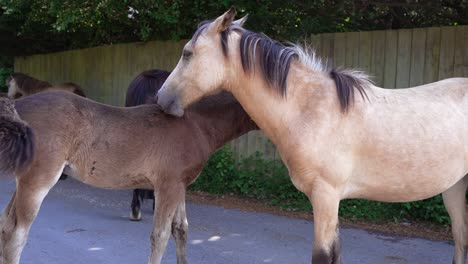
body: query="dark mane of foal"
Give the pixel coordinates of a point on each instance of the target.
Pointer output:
(145, 86)
(77, 89)
(274, 60)
(23, 80)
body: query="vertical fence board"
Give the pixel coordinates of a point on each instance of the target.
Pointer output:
(352, 50)
(432, 54)
(339, 53)
(418, 47)
(365, 50)
(377, 66)
(461, 52)
(403, 58)
(447, 46)
(316, 43)
(391, 45)
(327, 48)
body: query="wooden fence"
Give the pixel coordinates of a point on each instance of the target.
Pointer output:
(395, 58)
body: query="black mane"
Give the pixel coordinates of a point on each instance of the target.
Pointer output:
(274, 60)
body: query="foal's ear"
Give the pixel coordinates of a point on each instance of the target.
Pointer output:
(241, 21)
(224, 21)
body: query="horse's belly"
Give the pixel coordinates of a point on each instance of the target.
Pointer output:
(109, 179)
(396, 183)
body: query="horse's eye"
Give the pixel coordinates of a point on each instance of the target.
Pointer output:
(186, 54)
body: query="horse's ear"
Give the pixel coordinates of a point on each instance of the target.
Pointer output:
(241, 21)
(224, 21)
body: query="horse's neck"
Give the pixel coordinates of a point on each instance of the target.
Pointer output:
(223, 124)
(278, 117)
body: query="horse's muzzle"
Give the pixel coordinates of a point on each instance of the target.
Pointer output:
(169, 104)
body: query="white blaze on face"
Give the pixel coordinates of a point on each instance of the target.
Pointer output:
(12, 88)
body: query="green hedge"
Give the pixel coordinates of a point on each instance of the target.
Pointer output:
(268, 181)
(4, 73)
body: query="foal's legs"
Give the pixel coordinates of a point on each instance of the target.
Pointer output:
(166, 200)
(325, 202)
(30, 192)
(135, 214)
(455, 203)
(3, 218)
(6, 211)
(179, 232)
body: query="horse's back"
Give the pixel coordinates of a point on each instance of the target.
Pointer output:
(51, 109)
(107, 146)
(410, 143)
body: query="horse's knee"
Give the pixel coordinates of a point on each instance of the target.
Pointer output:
(179, 230)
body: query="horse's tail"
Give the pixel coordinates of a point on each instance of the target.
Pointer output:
(16, 140)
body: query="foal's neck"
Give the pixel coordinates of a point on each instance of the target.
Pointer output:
(222, 123)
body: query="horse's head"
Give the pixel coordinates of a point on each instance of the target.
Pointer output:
(203, 67)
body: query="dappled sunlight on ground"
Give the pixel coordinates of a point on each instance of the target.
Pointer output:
(95, 248)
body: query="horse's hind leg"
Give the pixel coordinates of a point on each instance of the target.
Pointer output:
(167, 199)
(179, 232)
(135, 214)
(30, 192)
(455, 203)
(6, 212)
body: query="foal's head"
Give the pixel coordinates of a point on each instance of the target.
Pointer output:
(207, 53)
(20, 84)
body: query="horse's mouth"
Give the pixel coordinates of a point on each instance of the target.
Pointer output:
(170, 106)
(174, 109)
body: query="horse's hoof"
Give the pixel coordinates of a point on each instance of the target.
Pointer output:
(134, 217)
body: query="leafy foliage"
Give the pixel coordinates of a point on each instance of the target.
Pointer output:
(5, 69)
(85, 23)
(4, 73)
(269, 181)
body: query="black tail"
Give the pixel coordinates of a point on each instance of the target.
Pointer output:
(16, 140)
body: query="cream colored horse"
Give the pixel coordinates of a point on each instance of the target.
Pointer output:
(386, 145)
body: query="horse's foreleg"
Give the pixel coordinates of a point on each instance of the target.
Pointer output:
(166, 201)
(325, 202)
(179, 232)
(455, 203)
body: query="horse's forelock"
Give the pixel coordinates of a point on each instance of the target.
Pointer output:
(224, 34)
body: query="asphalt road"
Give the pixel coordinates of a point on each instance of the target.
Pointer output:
(81, 224)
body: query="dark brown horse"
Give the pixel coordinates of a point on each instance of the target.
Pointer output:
(20, 84)
(110, 147)
(141, 91)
